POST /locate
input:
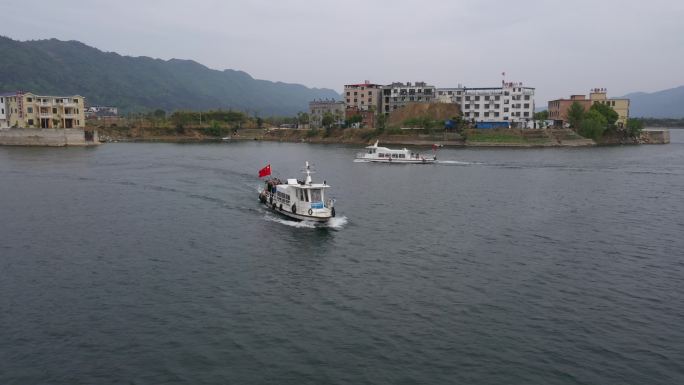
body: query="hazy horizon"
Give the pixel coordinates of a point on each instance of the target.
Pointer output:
(557, 47)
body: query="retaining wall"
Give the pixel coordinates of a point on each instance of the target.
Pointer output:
(56, 137)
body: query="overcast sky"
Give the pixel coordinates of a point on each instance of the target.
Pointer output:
(559, 47)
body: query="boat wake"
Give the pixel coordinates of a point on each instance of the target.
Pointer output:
(456, 162)
(336, 223)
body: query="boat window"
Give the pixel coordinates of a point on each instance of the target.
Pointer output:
(316, 195)
(306, 195)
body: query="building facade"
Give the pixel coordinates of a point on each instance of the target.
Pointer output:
(449, 95)
(364, 96)
(4, 123)
(318, 109)
(558, 109)
(397, 95)
(28, 110)
(510, 103)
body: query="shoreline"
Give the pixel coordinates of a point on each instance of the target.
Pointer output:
(543, 138)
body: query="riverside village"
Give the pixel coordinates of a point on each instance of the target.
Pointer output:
(414, 113)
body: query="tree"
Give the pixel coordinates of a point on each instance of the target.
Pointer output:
(593, 125)
(634, 127)
(381, 122)
(160, 114)
(540, 117)
(607, 111)
(353, 119)
(302, 118)
(327, 121)
(575, 115)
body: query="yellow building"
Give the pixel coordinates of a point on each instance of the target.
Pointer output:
(28, 110)
(621, 106)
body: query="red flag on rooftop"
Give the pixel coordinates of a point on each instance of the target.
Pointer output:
(265, 171)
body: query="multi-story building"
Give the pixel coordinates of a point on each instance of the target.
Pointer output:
(364, 96)
(398, 94)
(450, 95)
(511, 103)
(4, 123)
(558, 109)
(28, 110)
(318, 109)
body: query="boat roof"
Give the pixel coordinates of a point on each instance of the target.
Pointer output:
(375, 145)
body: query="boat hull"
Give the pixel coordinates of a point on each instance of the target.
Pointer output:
(296, 216)
(398, 161)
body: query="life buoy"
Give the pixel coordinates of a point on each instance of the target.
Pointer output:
(310, 211)
(332, 211)
(294, 209)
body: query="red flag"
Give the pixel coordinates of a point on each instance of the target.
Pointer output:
(265, 171)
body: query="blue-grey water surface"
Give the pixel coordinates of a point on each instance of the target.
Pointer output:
(141, 263)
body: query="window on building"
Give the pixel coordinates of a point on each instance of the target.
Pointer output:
(506, 109)
(477, 106)
(526, 114)
(497, 97)
(30, 122)
(355, 100)
(348, 101)
(486, 97)
(29, 110)
(477, 98)
(54, 110)
(29, 99)
(467, 106)
(496, 114)
(348, 93)
(477, 114)
(450, 92)
(355, 93)
(486, 114)
(467, 98)
(527, 97)
(497, 106)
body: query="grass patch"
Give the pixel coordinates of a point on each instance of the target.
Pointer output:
(494, 136)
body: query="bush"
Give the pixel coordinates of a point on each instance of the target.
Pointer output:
(593, 125)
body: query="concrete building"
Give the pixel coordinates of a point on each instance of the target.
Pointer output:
(397, 95)
(28, 110)
(449, 95)
(558, 109)
(364, 96)
(318, 109)
(510, 103)
(4, 123)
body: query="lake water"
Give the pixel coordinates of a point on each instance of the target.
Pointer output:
(154, 263)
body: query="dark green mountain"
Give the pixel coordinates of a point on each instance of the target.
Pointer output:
(662, 104)
(142, 83)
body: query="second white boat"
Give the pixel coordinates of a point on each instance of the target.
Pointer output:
(379, 154)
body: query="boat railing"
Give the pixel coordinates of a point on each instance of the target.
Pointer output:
(329, 203)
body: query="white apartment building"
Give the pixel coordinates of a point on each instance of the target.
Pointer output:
(398, 94)
(512, 102)
(449, 95)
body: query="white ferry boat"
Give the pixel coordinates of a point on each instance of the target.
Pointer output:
(300, 200)
(378, 154)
